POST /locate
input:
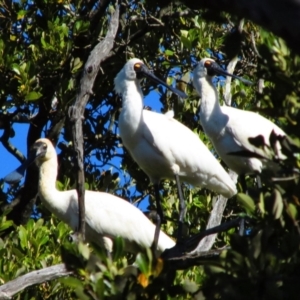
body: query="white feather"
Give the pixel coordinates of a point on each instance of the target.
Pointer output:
(107, 216)
(161, 145)
(230, 128)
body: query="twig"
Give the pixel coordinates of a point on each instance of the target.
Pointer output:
(254, 44)
(9, 289)
(76, 112)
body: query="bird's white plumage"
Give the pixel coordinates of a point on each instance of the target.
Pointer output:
(161, 145)
(107, 216)
(229, 128)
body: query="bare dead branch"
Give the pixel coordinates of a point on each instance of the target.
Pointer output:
(215, 219)
(9, 289)
(76, 112)
(180, 254)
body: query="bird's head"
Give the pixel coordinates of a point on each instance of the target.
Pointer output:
(41, 151)
(207, 68)
(135, 69)
(127, 73)
(203, 69)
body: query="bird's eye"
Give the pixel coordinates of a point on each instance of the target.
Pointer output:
(207, 64)
(137, 67)
(210, 68)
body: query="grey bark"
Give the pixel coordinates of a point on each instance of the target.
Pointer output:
(76, 112)
(9, 289)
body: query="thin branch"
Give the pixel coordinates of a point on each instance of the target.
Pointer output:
(76, 112)
(215, 219)
(8, 146)
(254, 44)
(180, 256)
(9, 289)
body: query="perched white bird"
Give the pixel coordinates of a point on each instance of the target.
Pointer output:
(107, 216)
(163, 147)
(231, 130)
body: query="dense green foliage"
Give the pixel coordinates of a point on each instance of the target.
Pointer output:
(43, 47)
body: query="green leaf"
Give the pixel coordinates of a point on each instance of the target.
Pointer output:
(118, 248)
(186, 42)
(184, 33)
(30, 225)
(278, 205)
(71, 282)
(77, 64)
(6, 224)
(84, 250)
(16, 68)
(32, 96)
(2, 44)
(143, 263)
(169, 52)
(17, 253)
(246, 202)
(292, 211)
(23, 237)
(39, 223)
(21, 271)
(100, 288)
(21, 14)
(190, 287)
(44, 240)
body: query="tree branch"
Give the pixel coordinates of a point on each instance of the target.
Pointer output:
(215, 219)
(76, 112)
(23, 209)
(181, 255)
(219, 207)
(8, 146)
(9, 289)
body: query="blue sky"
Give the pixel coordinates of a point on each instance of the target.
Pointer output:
(10, 163)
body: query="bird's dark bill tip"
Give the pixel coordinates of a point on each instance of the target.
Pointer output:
(181, 94)
(13, 177)
(246, 81)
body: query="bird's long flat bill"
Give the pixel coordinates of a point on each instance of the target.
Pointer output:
(142, 69)
(213, 68)
(16, 175)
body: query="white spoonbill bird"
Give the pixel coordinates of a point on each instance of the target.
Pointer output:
(163, 147)
(107, 216)
(229, 128)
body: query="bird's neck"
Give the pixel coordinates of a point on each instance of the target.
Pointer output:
(55, 201)
(210, 105)
(47, 180)
(132, 107)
